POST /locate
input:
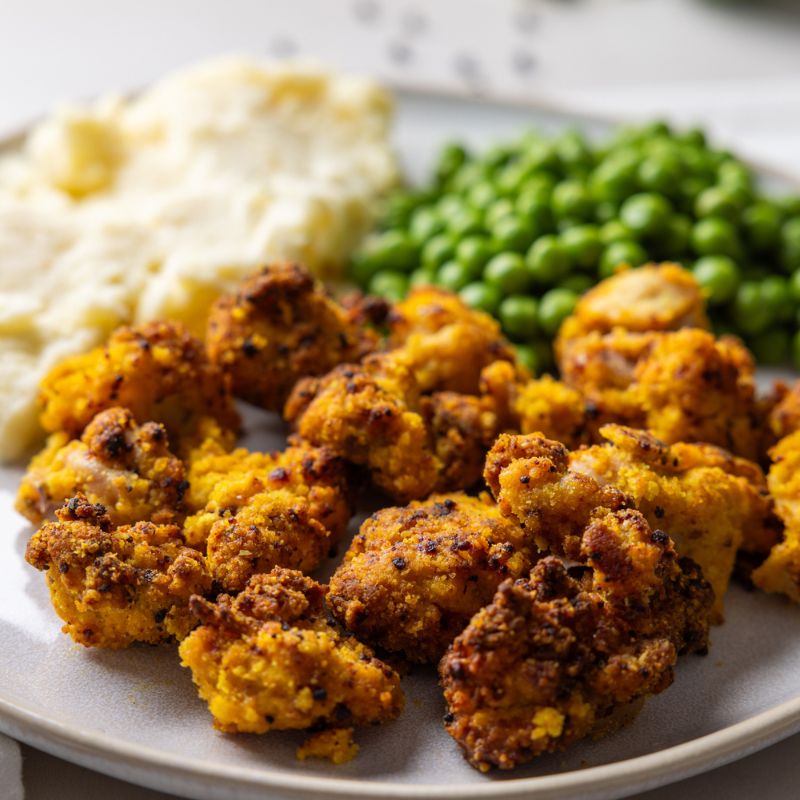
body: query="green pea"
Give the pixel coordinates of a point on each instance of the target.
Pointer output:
(519, 317)
(482, 195)
(451, 158)
(541, 155)
(454, 276)
(577, 283)
(615, 178)
(762, 225)
(605, 211)
(789, 204)
(621, 252)
(481, 296)
(535, 212)
(646, 214)
(362, 268)
(796, 350)
(393, 250)
(504, 207)
(735, 176)
(583, 245)
(660, 173)
(615, 231)
(466, 223)
(451, 205)
(467, 176)
(715, 236)
(699, 163)
(391, 285)
(473, 252)
(695, 137)
(554, 307)
(425, 223)
(574, 152)
(750, 313)
(777, 296)
(674, 242)
(507, 272)
(437, 250)
(689, 190)
(528, 356)
(717, 201)
(771, 347)
(514, 233)
(539, 186)
(718, 276)
(790, 243)
(571, 198)
(497, 156)
(547, 260)
(794, 285)
(512, 178)
(424, 276)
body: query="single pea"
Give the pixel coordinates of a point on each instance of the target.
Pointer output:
(528, 356)
(451, 158)
(539, 186)
(468, 175)
(693, 136)
(498, 156)
(481, 296)
(583, 245)
(771, 347)
(547, 260)
(482, 195)
(699, 163)
(796, 350)
(514, 233)
(571, 198)
(718, 276)
(519, 317)
(689, 190)
(674, 242)
(762, 225)
(735, 175)
(507, 272)
(750, 313)
(660, 173)
(777, 296)
(362, 268)
(466, 223)
(399, 208)
(717, 201)
(554, 307)
(535, 212)
(618, 253)
(450, 205)
(615, 231)
(794, 285)
(577, 283)
(393, 250)
(646, 214)
(424, 276)
(425, 223)
(391, 285)
(715, 236)
(437, 250)
(615, 178)
(453, 276)
(542, 155)
(574, 153)
(605, 211)
(473, 252)
(513, 177)
(790, 243)
(504, 207)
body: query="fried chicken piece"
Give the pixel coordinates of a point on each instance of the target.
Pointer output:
(126, 467)
(413, 576)
(115, 586)
(655, 297)
(783, 415)
(158, 371)
(781, 570)
(446, 343)
(566, 653)
(281, 326)
(260, 510)
(268, 659)
(706, 500)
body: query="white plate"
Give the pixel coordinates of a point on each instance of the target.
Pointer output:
(135, 715)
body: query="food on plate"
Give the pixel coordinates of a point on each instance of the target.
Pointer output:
(334, 744)
(114, 586)
(710, 503)
(413, 576)
(523, 228)
(446, 343)
(269, 659)
(126, 210)
(568, 652)
(261, 510)
(158, 371)
(278, 327)
(125, 467)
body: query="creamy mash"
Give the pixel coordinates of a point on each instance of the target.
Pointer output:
(133, 210)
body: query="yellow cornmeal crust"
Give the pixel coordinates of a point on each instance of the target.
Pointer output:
(268, 659)
(335, 745)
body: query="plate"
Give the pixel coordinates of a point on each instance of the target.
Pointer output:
(134, 714)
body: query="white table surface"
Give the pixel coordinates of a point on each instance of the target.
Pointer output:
(736, 72)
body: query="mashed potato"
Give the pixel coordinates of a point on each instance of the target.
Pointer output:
(133, 210)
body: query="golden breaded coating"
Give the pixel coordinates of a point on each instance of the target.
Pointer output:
(158, 371)
(566, 653)
(446, 343)
(781, 570)
(115, 586)
(126, 467)
(281, 326)
(335, 745)
(260, 510)
(268, 659)
(413, 576)
(655, 297)
(783, 412)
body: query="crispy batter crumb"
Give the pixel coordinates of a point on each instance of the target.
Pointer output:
(336, 745)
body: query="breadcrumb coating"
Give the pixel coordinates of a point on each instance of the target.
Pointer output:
(335, 745)
(269, 659)
(158, 371)
(281, 326)
(559, 656)
(413, 576)
(128, 468)
(115, 586)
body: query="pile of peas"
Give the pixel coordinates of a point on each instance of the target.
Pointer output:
(520, 231)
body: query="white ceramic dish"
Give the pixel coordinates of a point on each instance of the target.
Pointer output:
(134, 714)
